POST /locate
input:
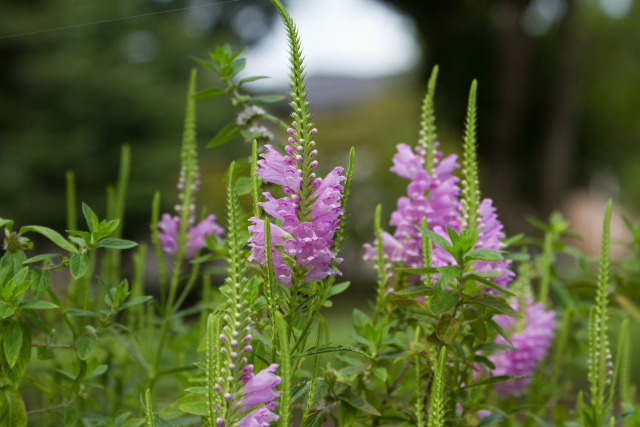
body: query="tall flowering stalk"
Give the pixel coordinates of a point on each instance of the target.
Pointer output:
(310, 210)
(600, 359)
(432, 194)
(179, 235)
(477, 213)
(235, 395)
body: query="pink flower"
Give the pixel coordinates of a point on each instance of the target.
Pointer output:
(261, 417)
(531, 339)
(259, 388)
(308, 242)
(279, 170)
(169, 226)
(490, 237)
(431, 196)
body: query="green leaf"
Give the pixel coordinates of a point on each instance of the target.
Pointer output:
(90, 217)
(419, 270)
(447, 275)
(52, 235)
(85, 346)
(243, 185)
(6, 310)
(435, 237)
(70, 416)
(195, 408)
(39, 281)
(441, 303)
(113, 243)
(12, 342)
(136, 301)
(7, 222)
(496, 303)
(251, 79)
(491, 419)
(212, 92)
(78, 265)
(483, 254)
(80, 312)
(416, 291)
(330, 349)
(42, 257)
(100, 369)
(268, 98)
(414, 307)
(448, 328)
(238, 65)
(226, 134)
(496, 379)
(348, 414)
(489, 283)
(499, 329)
(16, 373)
(12, 410)
(338, 289)
(45, 353)
(359, 403)
(34, 304)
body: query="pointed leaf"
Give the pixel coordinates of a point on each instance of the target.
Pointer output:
(12, 342)
(85, 346)
(33, 304)
(78, 265)
(498, 304)
(52, 235)
(448, 328)
(251, 79)
(113, 243)
(39, 281)
(359, 403)
(416, 291)
(447, 275)
(212, 92)
(226, 134)
(12, 410)
(483, 254)
(268, 98)
(496, 379)
(435, 237)
(419, 270)
(330, 349)
(6, 310)
(441, 303)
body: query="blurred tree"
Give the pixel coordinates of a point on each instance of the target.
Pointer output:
(109, 73)
(555, 81)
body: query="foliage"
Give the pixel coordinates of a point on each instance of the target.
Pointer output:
(451, 339)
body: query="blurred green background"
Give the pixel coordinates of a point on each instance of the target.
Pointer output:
(558, 98)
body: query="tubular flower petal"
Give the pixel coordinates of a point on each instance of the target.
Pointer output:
(432, 196)
(531, 343)
(307, 239)
(168, 234)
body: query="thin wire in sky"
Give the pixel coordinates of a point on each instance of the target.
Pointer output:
(114, 20)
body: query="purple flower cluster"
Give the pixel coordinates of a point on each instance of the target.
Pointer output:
(491, 237)
(169, 226)
(305, 238)
(259, 393)
(531, 338)
(256, 391)
(433, 196)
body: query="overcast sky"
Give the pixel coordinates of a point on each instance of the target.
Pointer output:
(345, 37)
